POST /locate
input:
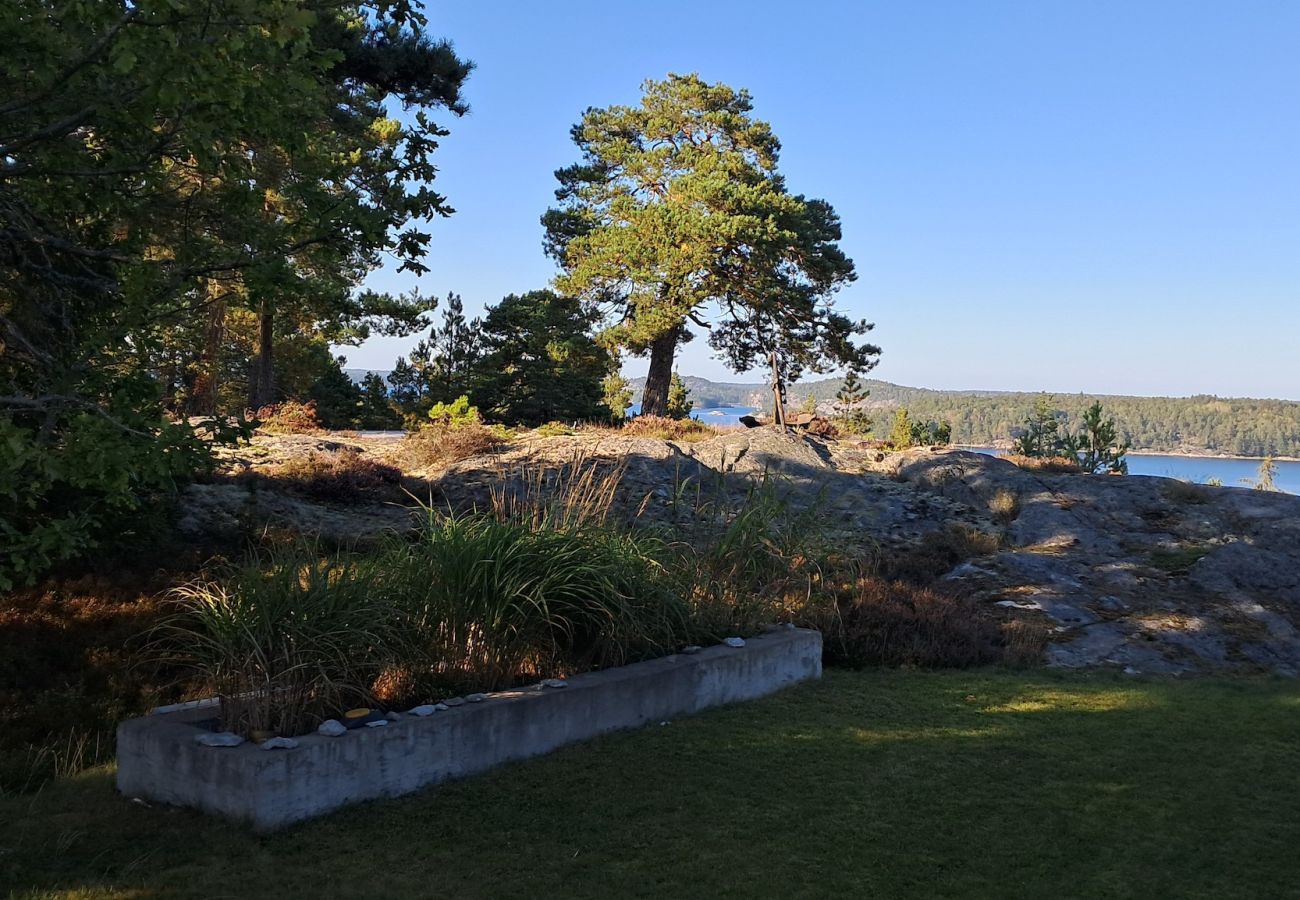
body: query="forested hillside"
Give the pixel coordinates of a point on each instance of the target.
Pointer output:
(1240, 427)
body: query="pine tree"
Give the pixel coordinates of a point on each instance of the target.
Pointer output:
(677, 203)
(849, 415)
(900, 436)
(616, 395)
(1039, 437)
(1267, 475)
(377, 412)
(679, 402)
(540, 362)
(1098, 446)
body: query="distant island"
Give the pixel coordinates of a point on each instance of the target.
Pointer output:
(1198, 425)
(1190, 425)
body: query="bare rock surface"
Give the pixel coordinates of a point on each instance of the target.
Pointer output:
(1138, 573)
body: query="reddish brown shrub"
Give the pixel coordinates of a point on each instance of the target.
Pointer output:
(440, 445)
(289, 417)
(1050, 465)
(340, 475)
(890, 623)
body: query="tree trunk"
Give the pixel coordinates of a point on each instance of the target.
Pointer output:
(209, 382)
(654, 400)
(262, 387)
(778, 391)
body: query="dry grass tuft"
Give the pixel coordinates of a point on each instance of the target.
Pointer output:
(1186, 492)
(892, 623)
(289, 417)
(441, 445)
(669, 429)
(937, 554)
(1051, 465)
(578, 493)
(1005, 506)
(340, 475)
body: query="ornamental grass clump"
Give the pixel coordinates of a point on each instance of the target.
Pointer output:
(746, 560)
(486, 602)
(284, 641)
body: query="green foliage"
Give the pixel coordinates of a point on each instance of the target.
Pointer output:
(1039, 437)
(1267, 475)
(441, 367)
(616, 395)
(456, 414)
(679, 400)
(850, 417)
(85, 475)
(900, 435)
(540, 361)
(1097, 445)
(376, 412)
(931, 434)
(177, 175)
(553, 429)
(285, 640)
(487, 602)
(677, 203)
(907, 433)
(338, 399)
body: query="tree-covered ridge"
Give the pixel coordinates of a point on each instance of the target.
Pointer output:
(1238, 426)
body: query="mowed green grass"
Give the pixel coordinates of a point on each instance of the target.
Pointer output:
(877, 784)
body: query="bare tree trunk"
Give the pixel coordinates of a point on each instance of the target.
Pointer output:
(209, 382)
(654, 400)
(778, 392)
(262, 386)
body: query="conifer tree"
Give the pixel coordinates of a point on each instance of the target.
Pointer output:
(677, 203)
(1097, 445)
(849, 414)
(1039, 437)
(900, 436)
(679, 400)
(616, 395)
(539, 361)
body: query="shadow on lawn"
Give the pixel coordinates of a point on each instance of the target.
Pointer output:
(894, 783)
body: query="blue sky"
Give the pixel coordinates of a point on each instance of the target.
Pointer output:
(1097, 197)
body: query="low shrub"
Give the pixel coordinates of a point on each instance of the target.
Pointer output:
(340, 475)
(1004, 506)
(892, 623)
(441, 445)
(289, 417)
(1048, 465)
(667, 429)
(1185, 492)
(457, 414)
(937, 554)
(553, 429)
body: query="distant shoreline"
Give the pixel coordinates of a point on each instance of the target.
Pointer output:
(1197, 454)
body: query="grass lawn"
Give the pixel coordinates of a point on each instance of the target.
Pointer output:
(885, 784)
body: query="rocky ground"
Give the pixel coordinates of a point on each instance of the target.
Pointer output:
(1137, 573)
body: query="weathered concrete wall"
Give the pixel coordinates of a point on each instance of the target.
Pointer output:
(158, 760)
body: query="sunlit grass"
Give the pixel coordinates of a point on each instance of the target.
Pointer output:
(895, 783)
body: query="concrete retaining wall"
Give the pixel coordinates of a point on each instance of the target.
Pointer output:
(157, 758)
